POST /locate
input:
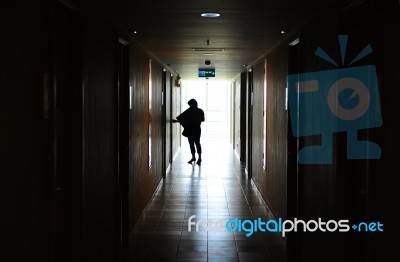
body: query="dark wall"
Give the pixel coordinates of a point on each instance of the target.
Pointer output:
(67, 134)
(99, 49)
(41, 135)
(354, 189)
(100, 85)
(25, 134)
(349, 188)
(59, 150)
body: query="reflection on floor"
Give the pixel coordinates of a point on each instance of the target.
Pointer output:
(218, 190)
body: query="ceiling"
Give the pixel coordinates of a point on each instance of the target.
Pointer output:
(245, 31)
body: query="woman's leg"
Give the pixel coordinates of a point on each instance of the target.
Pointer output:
(199, 150)
(192, 149)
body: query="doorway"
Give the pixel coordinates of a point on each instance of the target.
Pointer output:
(214, 98)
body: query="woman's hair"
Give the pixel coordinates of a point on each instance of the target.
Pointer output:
(192, 102)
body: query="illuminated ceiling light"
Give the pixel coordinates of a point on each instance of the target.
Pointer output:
(294, 42)
(208, 54)
(284, 31)
(208, 49)
(210, 14)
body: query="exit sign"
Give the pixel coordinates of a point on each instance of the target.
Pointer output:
(207, 72)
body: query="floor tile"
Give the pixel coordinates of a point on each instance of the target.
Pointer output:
(214, 193)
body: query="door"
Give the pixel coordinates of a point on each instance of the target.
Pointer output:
(243, 117)
(123, 145)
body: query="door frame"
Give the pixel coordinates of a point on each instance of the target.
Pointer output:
(164, 121)
(249, 133)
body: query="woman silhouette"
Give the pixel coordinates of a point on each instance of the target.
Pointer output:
(191, 120)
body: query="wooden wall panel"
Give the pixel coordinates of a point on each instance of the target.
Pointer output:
(257, 127)
(156, 122)
(140, 183)
(276, 116)
(270, 181)
(143, 181)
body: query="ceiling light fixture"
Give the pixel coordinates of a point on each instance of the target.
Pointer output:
(208, 54)
(208, 49)
(294, 42)
(210, 14)
(132, 31)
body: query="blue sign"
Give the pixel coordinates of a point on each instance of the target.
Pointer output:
(208, 72)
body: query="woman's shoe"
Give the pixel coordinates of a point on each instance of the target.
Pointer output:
(192, 160)
(199, 161)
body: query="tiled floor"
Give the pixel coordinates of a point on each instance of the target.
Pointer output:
(218, 190)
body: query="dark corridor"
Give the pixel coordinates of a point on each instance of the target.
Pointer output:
(93, 170)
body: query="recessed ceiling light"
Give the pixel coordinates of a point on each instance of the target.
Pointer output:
(284, 31)
(208, 54)
(208, 50)
(210, 14)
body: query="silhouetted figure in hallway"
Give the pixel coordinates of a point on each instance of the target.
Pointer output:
(191, 120)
